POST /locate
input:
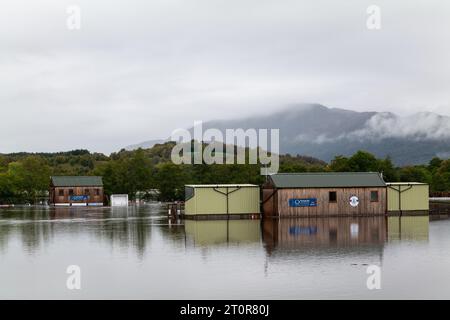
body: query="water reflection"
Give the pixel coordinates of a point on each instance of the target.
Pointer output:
(21, 224)
(129, 253)
(39, 227)
(323, 232)
(133, 227)
(343, 231)
(212, 232)
(408, 228)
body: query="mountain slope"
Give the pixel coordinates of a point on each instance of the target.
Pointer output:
(321, 132)
(145, 145)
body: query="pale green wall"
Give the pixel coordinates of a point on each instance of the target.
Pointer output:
(189, 206)
(245, 200)
(415, 199)
(205, 232)
(209, 201)
(408, 228)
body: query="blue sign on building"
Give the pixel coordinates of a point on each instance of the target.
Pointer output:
(297, 230)
(79, 198)
(309, 202)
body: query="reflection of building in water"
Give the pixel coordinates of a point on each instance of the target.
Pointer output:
(408, 228)
(77, 213)
(204, 232)
(323, 232)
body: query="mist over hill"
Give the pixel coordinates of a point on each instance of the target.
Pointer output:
(321, 132)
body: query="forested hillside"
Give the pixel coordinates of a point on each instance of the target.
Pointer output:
(24, 177)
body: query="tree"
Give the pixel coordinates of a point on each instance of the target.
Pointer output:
(444, 167)
(441, 176)
(3, 164)
(435, 163)
(363, 161)
(386, 167)
(127, 174)
(440, 182)
(170, 180)
(339, 164)
(7, 191)
(30, 176)
(138, 173)
(415, 174)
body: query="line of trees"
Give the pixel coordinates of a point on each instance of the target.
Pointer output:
(24, 178)
(436, 173)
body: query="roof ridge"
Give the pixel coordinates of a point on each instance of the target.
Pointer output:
(328, 179)
(76, 181)
(340, 172)
(72, 176)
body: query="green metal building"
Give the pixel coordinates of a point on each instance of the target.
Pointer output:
(222, 200)
(408, 198)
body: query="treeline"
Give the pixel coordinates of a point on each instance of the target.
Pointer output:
(436, 173)
(24, 178)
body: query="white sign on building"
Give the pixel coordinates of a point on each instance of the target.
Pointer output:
(354, 201)
(119, 200)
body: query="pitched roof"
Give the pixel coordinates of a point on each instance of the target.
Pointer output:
(406, 184)
(77, 181)
(328, 180)
(220, 185)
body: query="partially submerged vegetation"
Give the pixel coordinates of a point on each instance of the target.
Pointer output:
(24, 177)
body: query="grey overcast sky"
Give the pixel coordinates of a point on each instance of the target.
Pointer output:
(137, 70)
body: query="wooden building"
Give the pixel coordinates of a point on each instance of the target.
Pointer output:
(324, 194)
(76, 191)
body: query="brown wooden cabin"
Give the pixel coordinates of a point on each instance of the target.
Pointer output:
(76, 191)
(324, 194)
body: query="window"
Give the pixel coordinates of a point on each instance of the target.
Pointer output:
(374, 196)
(61, 192)
(97, 192)
(86, 192)
(332, 197)
(70, 192)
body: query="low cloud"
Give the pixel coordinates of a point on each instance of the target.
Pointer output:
(138, 71)
(423, 126)
(418, 127)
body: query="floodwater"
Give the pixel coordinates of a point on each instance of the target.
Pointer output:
(137, 253)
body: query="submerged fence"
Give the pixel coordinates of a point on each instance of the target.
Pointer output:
(439, 208)
(440, 194)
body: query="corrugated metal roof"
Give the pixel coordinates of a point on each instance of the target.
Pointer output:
(220, 185)
(406, 184)
(328, 180)
(77, 181)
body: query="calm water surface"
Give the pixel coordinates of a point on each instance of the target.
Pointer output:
(137, 253)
